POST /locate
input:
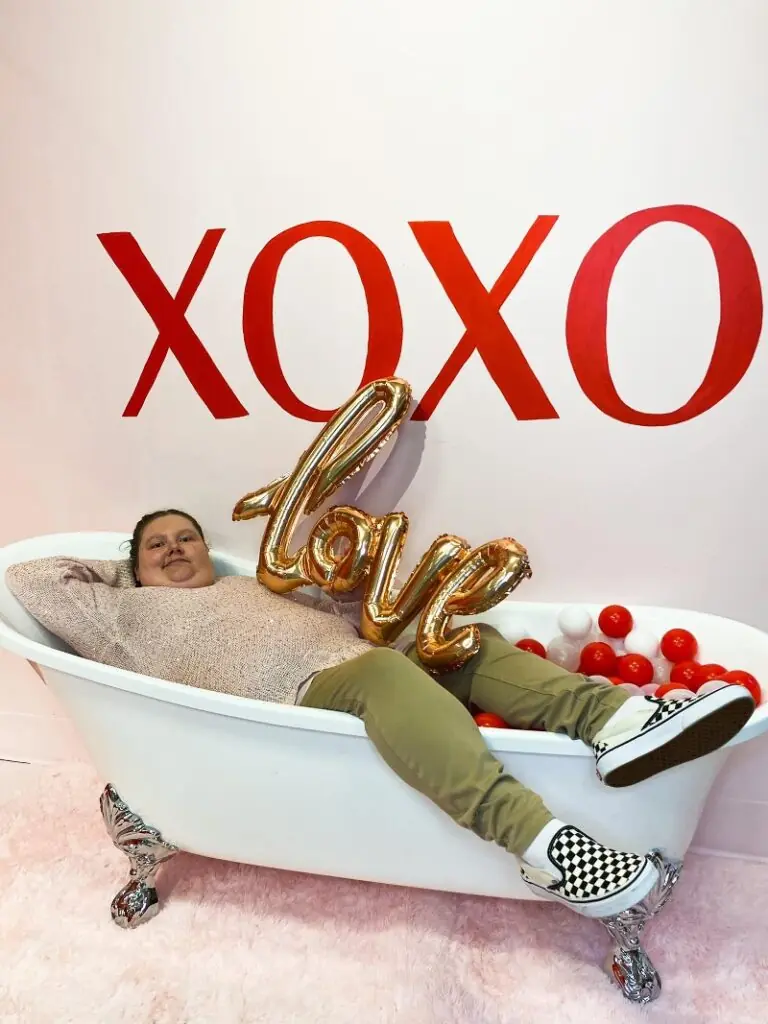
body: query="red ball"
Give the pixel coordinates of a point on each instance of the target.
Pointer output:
(745, 679)
(487, 720)
(635, 668)
(709, 672)
(665, 688)
(679, 645)
(598, 659)
(616, 680)
(688, 673)
(615, 621)
(532, 646)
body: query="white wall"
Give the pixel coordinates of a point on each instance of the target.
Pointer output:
(166, 121)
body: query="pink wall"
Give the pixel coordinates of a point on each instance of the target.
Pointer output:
(169, 122)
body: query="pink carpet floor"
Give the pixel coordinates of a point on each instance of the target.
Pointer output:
(242, 944)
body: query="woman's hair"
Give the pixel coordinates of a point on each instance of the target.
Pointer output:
(143, 523)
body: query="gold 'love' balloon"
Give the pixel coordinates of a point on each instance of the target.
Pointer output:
(348, 546)
(480, 581)
(384, 613)
(341, 572)
(336, 455)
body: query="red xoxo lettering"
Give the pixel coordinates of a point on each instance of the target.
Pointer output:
(485, 332)
(385, 322)
(168, 314)
(741, 314)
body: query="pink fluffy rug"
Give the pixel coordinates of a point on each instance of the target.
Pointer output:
(241, 944)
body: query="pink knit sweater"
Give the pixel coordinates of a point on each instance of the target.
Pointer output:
(235, 636)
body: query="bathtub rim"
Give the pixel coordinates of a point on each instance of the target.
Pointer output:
(291, 715)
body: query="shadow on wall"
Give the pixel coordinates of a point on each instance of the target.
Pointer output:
(395, 475)
(380, 486)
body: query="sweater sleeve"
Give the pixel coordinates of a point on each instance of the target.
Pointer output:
(75, 600)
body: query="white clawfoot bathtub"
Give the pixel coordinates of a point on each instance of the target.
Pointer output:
(304, 790)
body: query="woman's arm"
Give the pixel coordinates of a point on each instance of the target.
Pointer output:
(76, 600)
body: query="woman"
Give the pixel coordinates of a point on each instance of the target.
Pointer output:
(166, 614)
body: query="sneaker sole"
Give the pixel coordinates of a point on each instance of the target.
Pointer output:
(608, 906)
(728, 715)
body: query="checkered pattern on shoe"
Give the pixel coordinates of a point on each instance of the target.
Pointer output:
(666, 708)
(590, 870)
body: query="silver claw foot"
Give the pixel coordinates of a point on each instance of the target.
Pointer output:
(628, 963)
(146, 850)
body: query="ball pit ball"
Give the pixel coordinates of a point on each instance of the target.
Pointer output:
(615, 620)
(741, 678)
(710, 687)
(575, 622)
(681, 693)
(632, 689)
(616, 642)
(614, 650)
(517, 631)
(564, 652)
(532, 646)
(634, 668)
(642, 641)
(679, 645)
(661, 669)
(487, 720)
(711, 671)
(598, 659)
(688, 673)
(672, 690)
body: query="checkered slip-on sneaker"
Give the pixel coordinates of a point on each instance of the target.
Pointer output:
(590, 878)
(666, 733)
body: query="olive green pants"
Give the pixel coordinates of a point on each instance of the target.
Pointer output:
(422, 727)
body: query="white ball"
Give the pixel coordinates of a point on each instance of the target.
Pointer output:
(661, 670)
(642, 641)
(575, 622)
(616, 642)
(681, 694)
(515, 631)
(631, 689)
(648, 690)
(565, 653)
(710, 687)
(600, 679)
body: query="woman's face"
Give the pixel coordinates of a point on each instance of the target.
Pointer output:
(173, 554)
